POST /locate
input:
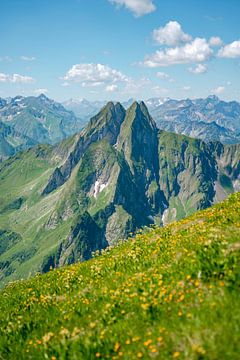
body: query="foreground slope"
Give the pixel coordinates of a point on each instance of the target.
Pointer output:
(60, 203)
(168, 293)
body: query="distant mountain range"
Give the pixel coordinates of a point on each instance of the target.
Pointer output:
(59, 203)
(27, 121)
(209, 119)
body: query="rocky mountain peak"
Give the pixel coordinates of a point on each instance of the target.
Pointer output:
(103, 126)
(213, 98)
(43, 96)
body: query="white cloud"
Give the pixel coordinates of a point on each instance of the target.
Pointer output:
(171, 34)
(197, 50)
(40, 91)
(94, 75)
(218, 90)
(138, 7)
(230, 50)
(16, 78)
(111, 88)
(27, 58)
(187, 88)
(199, 69)
(215, 41)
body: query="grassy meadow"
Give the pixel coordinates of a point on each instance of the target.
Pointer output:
(168, 293)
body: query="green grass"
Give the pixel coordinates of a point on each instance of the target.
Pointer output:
(168, 293)
(24, 238)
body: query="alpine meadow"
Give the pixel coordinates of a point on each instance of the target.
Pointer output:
(119, 180)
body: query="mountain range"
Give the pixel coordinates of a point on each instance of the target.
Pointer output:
(209, 119)
(27, 121)
(60, 203)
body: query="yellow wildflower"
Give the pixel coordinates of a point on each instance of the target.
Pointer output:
(147, 342)
(117, 346)
(176, 354)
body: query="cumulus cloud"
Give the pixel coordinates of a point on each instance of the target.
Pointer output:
(215, 41)
(138, 7)
(199, 69)
(231, 50)
(219, 90)
(197, 50)
(27, 58)
(171, 34)
(94, 75)
(16, 78)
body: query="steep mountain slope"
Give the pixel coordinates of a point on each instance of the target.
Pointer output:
(60, 203)
(168, 293)
(33, 120)
(6, 149)
(12, 141)
(208, 119)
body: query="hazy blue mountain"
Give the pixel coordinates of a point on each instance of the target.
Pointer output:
(83, 108)
(209, 119)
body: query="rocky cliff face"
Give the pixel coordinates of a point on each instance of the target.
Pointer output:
(120, 174)
(105, 125)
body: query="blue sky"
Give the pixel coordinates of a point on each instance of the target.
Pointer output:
(118, 49)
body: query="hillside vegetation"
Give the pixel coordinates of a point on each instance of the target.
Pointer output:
(168, 293)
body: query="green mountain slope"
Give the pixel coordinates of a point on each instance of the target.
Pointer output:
(33, 120)
(12, 141)
(168, 293)
(60, 203)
